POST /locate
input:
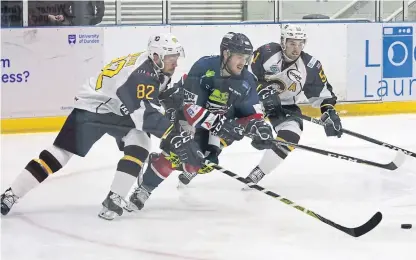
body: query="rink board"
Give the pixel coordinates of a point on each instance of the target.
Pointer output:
(43, 68)
(53, 124)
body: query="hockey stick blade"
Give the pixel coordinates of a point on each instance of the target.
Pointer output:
(355, 232)
(398, 160)
(365, 228)
(393, 165)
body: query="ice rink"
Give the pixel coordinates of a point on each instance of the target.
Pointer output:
(213, 219)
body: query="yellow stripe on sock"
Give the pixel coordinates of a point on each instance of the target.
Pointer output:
(291, 148)
(132, 159)
(44, 165)
(223, 142)
(327, 105)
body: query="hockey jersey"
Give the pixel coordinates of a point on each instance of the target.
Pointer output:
(233, 96)
(128, 86)
(290, 79)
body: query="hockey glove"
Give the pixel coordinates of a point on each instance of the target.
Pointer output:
(211, 154)
(261, 134)
(172, 98)
(332, 122)
(269, 99)
(187, 150)
(227, 129)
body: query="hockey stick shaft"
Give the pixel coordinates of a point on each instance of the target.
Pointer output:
(355, 232)
(390, 166)
(357, 135)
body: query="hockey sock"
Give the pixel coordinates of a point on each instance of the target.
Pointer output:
(273, 158)
(36, 171)
(159, 169)
(128, 169)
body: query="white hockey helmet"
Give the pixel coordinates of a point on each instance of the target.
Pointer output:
(164, 44)
(292, 31)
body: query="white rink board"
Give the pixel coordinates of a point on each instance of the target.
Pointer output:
(51, 69)
(57, 67)
(120, 41)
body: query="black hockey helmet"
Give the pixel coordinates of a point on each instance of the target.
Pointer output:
(236, 43)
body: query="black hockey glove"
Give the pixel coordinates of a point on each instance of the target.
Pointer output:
(212, 153)
(269, 99)
(261, 134)
(332, 122)
(172, 98)
(227, 129)
(188, 151)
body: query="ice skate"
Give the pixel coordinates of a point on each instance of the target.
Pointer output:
(185, 178)
(137, 199)
(112, 206)
(255, 176)
(8, 199)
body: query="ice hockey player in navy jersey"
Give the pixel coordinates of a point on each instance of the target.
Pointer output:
(283, 72)
(220, 102)
(122, 101)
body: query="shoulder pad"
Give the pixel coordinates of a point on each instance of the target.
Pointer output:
(310, 61)
(266, 51)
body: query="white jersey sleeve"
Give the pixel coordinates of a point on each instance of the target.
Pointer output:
(98, 94)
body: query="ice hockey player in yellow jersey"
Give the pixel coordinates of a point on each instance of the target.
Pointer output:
(122, 101)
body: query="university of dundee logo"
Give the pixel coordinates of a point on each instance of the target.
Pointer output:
(72, 38)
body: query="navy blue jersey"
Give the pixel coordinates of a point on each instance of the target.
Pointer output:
(232, 96)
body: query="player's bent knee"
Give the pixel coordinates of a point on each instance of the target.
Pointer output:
(137, 138)
(60, 155)
(50, 161)
(289, 131)
(161, 166)
(291, 126)
(133, 160)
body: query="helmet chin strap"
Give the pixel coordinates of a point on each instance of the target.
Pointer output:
(157, 65)
(159, 69)
(225, 70)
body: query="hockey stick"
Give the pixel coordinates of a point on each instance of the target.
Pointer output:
(355, 232)
(357, 135)
(393, 165)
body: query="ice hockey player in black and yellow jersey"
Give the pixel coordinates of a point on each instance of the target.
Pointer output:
(122, 101)
(283, 72)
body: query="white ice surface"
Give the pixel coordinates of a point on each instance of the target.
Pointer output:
(213, 218)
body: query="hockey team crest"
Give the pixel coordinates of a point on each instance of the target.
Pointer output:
(294, 75)
(219, 97)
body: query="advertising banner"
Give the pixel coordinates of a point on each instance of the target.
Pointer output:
(43, 68)
(381, 62)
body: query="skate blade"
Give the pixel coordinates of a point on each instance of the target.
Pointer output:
(107, 214)
(181, 185)
(131, 208)
(247, 188)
